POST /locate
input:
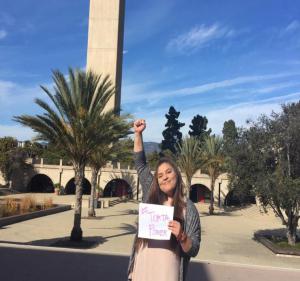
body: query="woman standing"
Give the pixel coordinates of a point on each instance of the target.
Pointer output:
(162, 260)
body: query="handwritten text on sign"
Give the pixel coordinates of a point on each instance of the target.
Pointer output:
(153, 221)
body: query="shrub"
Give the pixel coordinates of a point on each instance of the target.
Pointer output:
(8, 207)
(27, 204)
(12, 206)
(47, 203)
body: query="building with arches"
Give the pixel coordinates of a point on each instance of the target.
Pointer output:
(114, 181)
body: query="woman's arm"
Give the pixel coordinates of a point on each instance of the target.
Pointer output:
(185, 242)
(182, 238)
(189, 238)
(193, 232)
(138, 142)
(141, 165)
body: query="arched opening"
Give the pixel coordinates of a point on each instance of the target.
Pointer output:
(40, 183)
(199, 193)
(70, 187)
(117, 188)
(234, 198)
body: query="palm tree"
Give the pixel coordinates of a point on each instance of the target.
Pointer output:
(109, 150)
(189, 158)
(213, 162)
(97, 160)
(77, 123)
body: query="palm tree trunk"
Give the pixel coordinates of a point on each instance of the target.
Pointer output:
(188, 186)
(211, 206)
(76, 234)
(91, 212)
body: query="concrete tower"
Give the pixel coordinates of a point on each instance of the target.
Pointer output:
(105, 42)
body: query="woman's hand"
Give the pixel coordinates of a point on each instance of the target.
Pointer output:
(139, 125)
(184, 241)
(175, 228)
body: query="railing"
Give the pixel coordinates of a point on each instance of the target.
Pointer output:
(65, 162)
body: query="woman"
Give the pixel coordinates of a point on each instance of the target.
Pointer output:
(161, 260)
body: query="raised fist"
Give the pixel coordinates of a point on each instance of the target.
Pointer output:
(139, 125)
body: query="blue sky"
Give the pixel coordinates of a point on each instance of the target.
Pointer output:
(222, 59)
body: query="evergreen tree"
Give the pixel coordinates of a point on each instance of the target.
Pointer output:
(199, 128)
(12, 157)
(235, 149)
(230, 138)
(8, 146)
(172, 135)
(153, 158)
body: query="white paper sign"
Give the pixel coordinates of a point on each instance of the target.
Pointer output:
(153, 221)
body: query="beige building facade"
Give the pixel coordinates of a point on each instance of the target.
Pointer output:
(51, 174)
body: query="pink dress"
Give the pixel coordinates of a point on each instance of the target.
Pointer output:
(156, 262)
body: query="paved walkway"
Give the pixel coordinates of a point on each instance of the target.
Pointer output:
(226, 237)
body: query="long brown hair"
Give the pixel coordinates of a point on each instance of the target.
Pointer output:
(157, 196)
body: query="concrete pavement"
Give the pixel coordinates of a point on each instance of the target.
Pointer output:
(28, 263)
(226, 237)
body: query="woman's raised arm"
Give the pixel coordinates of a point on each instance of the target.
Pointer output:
(138, 126)
(142, 168)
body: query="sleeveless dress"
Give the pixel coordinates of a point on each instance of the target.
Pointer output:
(156, 261)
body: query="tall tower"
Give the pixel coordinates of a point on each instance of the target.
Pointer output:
(105, 42)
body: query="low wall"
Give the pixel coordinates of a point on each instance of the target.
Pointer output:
(48, 264)
(18, 218)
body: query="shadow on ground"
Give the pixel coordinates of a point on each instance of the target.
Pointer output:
(63, 242)
(88, 242)
(273, 232)
(38, 264)
(217, 214)
(128, 212)
(277, 232)
(228, 211)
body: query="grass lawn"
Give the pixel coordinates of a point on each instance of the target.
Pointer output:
(283, 243)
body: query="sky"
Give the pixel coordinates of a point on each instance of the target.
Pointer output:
(220, 59)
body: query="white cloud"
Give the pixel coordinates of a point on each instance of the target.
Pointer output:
(16, 131)
(274, 88)
(198, 37)
(251, 110)
(12, 94)
(216, 117)
(248, 110)
(5, 87)
(141, 92)
(240, 114)
(285, 62)
(228, 83)
(294, 25)
(15, 100)
(125, 52)
(290, 29)
(134, 92)
(3, 34)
